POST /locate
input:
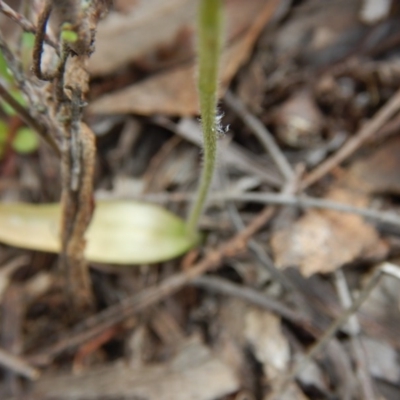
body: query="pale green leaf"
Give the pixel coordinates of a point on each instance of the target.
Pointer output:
(25, 141)
(121, 232)
(69, 36)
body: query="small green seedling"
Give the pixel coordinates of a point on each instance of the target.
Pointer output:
(127, 232)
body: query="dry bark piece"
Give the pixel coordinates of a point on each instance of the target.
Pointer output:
(195, 373)
(322, 241)
(173, 92)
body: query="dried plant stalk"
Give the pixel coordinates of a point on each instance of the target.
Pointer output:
(74, 22)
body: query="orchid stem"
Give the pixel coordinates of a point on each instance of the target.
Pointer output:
(209, 50)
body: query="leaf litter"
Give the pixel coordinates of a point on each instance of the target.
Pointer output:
(316, 74)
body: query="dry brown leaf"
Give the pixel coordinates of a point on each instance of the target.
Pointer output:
(378, 172)
(193, 374)
(161, 93)
(264, 334)
(173, 92)
(333, 238)
(322, 241)
(143, 29)
(149, 31)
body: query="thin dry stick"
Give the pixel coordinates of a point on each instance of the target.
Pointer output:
(372, 126)
(310, 202)
(258, 251)
(29, 120)
(15, 67)
(223, 286)
(148, 297)
(262, 134)
(39, 41)
(25, 85)
(232, 154)
(330, 332)
(18, 365)
(268, 141)
(283, 199)
(26, 25)
(260, 254)
(366, 384)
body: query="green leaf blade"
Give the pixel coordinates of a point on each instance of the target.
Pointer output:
(121, 232)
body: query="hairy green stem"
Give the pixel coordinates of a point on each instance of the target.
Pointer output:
(209, 49)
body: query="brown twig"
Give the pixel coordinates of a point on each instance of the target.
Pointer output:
(18, 365)
(385, 268)
(26, 25)
(223, 286)
(370, 128)
(262, 134)
(15, 67)
(364, 378)
(39, 41)
(233, 154)
(329, 333)
(305, 202)
(39, 116)
(78, 206)
(24, 114)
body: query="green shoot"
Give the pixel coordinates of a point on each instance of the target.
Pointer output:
(209, 50)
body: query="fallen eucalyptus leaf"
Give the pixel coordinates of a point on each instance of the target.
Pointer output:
(121, 232)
